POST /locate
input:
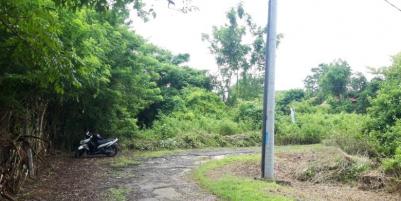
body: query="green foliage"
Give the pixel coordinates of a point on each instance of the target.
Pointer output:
(329, 79)
(336, 79)
(193, 133)
(315, 127)
(311, 82)
(284, 99)
(203, 102)
(393, 166)
(386, 108)
(86, 67)
(250, 114)
(354, 143)
(172, 82)
(202, 120)
(116, 194)
(335, 84)
(385, 113)
(358, 83)
(309, 106)
(233, 55)
(227, 127)
(389, 140)
(338, 105)
(74, 66)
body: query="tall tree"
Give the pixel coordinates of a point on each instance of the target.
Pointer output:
(329, 79)
(233, 55)
(311, 82)
(335, 81)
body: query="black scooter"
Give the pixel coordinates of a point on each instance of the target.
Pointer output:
(95, 144)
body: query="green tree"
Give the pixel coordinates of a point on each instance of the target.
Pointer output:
(233, 55)
(358, 83)
(336, 79)
(286, 97)
(386, 109)
(370, 93)
(311, 82)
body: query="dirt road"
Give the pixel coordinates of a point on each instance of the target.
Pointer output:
(166, 178)
(153, 179)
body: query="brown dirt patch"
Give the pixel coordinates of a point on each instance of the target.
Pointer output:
(287, 168)
(66, 178)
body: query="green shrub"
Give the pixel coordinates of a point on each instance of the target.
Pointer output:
(250, 114)
(203, 101)
(309, 129)
(312, 128)
(389, 140)
(359, 144)
(393, 166)
(227, 127)
(347, 132)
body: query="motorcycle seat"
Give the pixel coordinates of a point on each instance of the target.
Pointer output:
(102, 141)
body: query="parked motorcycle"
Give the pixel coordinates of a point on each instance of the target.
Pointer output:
(95, 144)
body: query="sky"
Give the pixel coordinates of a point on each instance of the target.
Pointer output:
(365, 33)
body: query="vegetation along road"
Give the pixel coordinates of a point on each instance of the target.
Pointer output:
(309, 172)
(72, 66)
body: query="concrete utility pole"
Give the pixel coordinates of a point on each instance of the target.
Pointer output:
(269, 95)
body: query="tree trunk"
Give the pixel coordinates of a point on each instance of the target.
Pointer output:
(238, 90)
(30, 163)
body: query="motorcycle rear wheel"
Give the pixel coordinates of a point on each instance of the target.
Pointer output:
(112, 151)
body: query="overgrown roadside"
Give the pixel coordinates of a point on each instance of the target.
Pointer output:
(228, 173)
(310, 173)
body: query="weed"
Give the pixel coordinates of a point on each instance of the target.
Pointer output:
(123, 161)
(116, 194)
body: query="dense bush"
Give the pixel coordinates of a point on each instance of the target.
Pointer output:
(385, 113)
(204, 120)
(389, 140)
(393, 166)
(227, 127)
(315, 127)
(249, 113)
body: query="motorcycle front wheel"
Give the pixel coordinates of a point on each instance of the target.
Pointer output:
(79, 153)
(112, 151)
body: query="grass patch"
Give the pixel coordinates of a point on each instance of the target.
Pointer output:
(229, 187)
(314, 163)
(124, 161)
(116, 194)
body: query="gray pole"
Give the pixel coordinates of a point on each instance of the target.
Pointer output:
(269, 95)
